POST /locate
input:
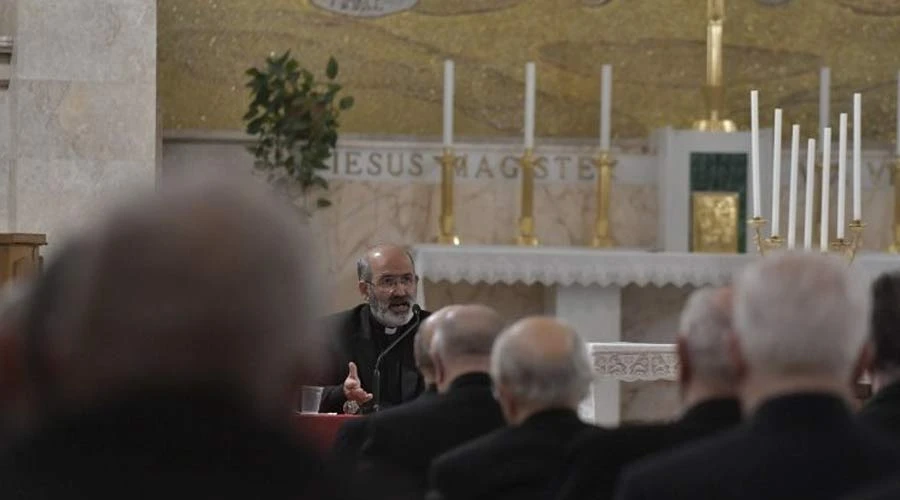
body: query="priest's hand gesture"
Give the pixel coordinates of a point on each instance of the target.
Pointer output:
(353, 390)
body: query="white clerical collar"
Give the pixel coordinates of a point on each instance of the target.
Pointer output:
(390, 330)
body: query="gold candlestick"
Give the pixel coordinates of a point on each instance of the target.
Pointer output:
(446, 230)
(764, 244)
(895, 244)
(526, 218)
(602, 237)
(714, 90)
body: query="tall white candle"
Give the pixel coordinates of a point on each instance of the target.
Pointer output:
(810, 194)
(529, 104)
(754, 151)
(898, 113)
(605, 106)
(842, 175)
(792, 192)
(824, 99)
(826, 188)
(776, 174)
(448, 103)
(857, 156)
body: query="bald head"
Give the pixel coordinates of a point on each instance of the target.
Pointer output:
(463, 339)
(381, 258)
(201, 284)
(540, 363)
(388, 284)
(422, 345)
(704, 331)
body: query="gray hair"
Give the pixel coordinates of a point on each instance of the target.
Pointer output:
(537, 378)
(704, 325)
(801, 314)
(364, 267)
(467, 332)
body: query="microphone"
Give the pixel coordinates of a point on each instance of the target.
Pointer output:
(376, 372)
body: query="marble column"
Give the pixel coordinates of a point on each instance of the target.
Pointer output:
(83, 109)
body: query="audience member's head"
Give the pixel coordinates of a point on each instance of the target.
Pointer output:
(201, 285)
(707, 369)
(539, 364)
(885, 330)
(463, 339)
(800, 324)
(387, 282)
(422, 346)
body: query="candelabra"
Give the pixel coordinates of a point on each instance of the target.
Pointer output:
(446, 226)
(846, 247)
(604, 162)
(526, 218)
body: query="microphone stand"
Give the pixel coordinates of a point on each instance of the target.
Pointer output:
(376, 372)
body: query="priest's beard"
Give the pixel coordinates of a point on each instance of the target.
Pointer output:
(392, 317)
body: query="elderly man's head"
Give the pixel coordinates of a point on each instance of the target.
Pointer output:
(463, 339)
(387, 282)
(204, 284)
(422, 346)
(539, 364)
(800, 322)
(707, 369)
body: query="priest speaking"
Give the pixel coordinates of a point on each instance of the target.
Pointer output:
(372, 361)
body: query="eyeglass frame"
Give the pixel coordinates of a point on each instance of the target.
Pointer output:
(398, 280)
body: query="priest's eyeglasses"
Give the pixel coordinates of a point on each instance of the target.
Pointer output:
(389, 283)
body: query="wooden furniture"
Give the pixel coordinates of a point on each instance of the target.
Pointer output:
(20, 255)
(320, 428)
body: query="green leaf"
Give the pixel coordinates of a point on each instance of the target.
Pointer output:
(346, 102)
(332, 70)
(323, 203)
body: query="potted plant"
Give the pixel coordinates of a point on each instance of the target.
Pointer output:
(294, 118)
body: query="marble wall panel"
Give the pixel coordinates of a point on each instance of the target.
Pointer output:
(513, 302)
(87, 40)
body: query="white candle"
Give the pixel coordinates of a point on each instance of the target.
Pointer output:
(810, 194)
(529, 105)
(792, 191)
(857, 156)
(754, 151)
(898, 113)
(776, 174)
(826, 188)
(842, 175)
(605, 106)
(448, 103)
(824, 98)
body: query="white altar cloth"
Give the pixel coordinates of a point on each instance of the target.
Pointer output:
(584, 288)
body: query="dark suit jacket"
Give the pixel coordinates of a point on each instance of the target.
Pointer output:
(164, 444)
(350, 339)
(794, 447)
(883, 410)
(597, 459)
(511, 463)
(406, 439)
(353, 434)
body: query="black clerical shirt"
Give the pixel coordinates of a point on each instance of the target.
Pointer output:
(355, 335)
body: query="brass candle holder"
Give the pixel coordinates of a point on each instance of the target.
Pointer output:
(604, 162)
(846, 247)
(764, 244)
(526, 218)
(446, 224)
(895, 173)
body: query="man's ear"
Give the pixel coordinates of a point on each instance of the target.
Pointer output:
(736, 354)
(439, 371)
(684, 361)
(363, 288)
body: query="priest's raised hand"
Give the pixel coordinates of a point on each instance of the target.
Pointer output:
(353, 390)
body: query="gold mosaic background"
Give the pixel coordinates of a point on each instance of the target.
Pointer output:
(393, 64)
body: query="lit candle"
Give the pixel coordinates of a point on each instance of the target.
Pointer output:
(857, 156)
(842, 175)
(826, 188)
(792, 192)
(448, 103)
(776, 174)
(810, 193)
(529, 105)
(754, 151)
(824, 98)
(605, 106)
